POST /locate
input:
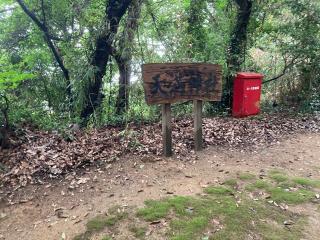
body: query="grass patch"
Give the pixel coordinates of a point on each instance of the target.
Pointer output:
(191, 217)
(246, 176)
(99, 223)
(296, 197)
(287, 184)
(222, 213)
(230, 182)
(138, 232)
(259, 184)
(278, 177)
(281, 194)
(306, 182)
(218, 190)
(106, 238)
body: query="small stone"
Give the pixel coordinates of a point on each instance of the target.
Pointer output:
(3, 215)
(288, 222)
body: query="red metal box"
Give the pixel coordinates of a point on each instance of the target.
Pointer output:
(246, 94)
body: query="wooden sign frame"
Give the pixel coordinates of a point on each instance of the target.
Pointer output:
(167, 83)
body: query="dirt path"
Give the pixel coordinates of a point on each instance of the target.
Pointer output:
(59, 210)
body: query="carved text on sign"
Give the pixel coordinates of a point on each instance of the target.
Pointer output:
(169, 83)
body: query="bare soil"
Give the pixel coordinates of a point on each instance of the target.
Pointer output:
(60, 209)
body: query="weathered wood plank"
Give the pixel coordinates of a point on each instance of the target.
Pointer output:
(173, 82)
(166, 130)
(197, 116)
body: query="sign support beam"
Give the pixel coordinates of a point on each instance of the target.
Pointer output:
(197, 118)
(166, 130)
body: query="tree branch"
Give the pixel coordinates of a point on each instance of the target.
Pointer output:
(7, 9)
(48, 38)
(284, 72)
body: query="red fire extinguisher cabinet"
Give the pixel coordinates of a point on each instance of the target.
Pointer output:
(246, 94)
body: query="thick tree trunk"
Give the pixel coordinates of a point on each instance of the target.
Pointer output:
(123, 56)
(237, 47)
(114, 11)
(122, 104)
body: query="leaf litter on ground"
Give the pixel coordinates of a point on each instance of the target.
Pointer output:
(41, 154)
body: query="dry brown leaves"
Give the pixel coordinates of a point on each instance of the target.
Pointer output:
(43, 154)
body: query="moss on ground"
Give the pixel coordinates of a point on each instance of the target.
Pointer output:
(306, 182)
(106, 238)
(138, 232)
(231, 182)
(99, 223)
(218, 190)
(246, 176)
(222, 213)
(284, 189)
(194, 216)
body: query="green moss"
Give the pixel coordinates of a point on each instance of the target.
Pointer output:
(246, 176)
(218, 190)
(278, 177)
(99, 223)
(156, 210)
(139, 232)
(259, 184)
(106, 238)
(276, 231)
(194, 217)
(191, 217)
(276, 171)
(306, 182)
(296, 197)
(287, 184)
(183, 229)
(230, 182)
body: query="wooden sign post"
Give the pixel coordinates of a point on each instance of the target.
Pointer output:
(169, 83)
(166, 129)
(197, 119)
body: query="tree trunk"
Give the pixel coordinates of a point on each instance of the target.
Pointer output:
(114, 11)
(195, 30)
(123, 56)
(4, 127)
(237, 48)
(122, 104)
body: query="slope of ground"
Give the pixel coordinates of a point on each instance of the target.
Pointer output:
(39, 155)
(60, 209)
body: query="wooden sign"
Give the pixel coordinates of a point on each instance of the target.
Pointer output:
(174, 82)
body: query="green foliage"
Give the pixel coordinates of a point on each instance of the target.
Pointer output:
(11, 79)
(279, 41)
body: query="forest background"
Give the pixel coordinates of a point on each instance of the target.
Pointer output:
(65, 63)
